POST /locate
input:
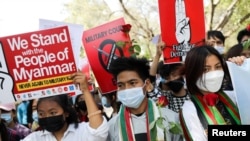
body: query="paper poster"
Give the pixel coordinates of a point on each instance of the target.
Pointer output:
(75, 32)
(240, 76)
(36, 64)
(101, 50)
(85, 68)
(182, 27)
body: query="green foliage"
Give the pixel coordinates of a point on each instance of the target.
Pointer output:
(90, 13)
(134, 49)
(246, 44)
(143, 16)
(175, 128)
(233, 23)
(159, 122)
(120, 44)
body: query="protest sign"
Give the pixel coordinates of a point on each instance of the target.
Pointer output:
(100, 46)
(38, 64)
(182, 27)
(240, 76)
(75, 32)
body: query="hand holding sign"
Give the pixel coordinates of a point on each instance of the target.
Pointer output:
(182, 32)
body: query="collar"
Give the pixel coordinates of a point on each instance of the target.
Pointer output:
(70, 128)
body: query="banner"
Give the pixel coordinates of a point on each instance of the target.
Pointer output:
(36, 64)
(240, 76)
(100, 46)
(182, 27)
(75, 32)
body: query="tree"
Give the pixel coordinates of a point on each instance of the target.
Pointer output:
(228, 16)
(92, 13)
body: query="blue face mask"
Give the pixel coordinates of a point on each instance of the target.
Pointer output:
(132, 97)
(162, 80)
(105, 101)
(35, 116)
(6, 117)
(220, 49)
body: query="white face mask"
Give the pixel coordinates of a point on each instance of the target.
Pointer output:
(6, 117)
(220, 49)
(131, 97)
(35, 116)
(211, 81)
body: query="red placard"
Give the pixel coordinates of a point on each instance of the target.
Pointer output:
(99, 44)
(182, 27)
(39, 63)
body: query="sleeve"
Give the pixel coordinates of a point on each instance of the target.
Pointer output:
(30, 137)
(192, 122)
(113, 134)
(99, 134)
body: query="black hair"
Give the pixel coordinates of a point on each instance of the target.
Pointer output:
(166, 69)
(234, 51)
(217, 34)
(76, 106)
(63, 101)
(194, 65)
(29, 111)
(242, 33)
(4, 135)
(139, 65)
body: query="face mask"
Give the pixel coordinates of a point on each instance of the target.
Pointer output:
(6, 117)
(176, 85)
(212, 81)
(105, 102)
(131, 97)
(220, 49)
(82, 105)
(35, 116)
(162, 80)
(52, 124)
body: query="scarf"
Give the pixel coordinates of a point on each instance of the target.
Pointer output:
(211, 113)
(126, 127)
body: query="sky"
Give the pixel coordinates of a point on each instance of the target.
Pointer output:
(20, 16)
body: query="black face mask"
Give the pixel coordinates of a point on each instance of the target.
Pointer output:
(82, 105)
(176, 85)
(52, 124)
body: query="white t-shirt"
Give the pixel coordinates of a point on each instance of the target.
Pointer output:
(83, 133)
(139, 125)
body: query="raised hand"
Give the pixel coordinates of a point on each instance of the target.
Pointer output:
(182, 32)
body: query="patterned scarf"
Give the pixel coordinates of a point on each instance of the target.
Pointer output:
(126, 127)
(211, 114)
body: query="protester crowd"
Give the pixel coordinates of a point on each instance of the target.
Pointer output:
(146, 93)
